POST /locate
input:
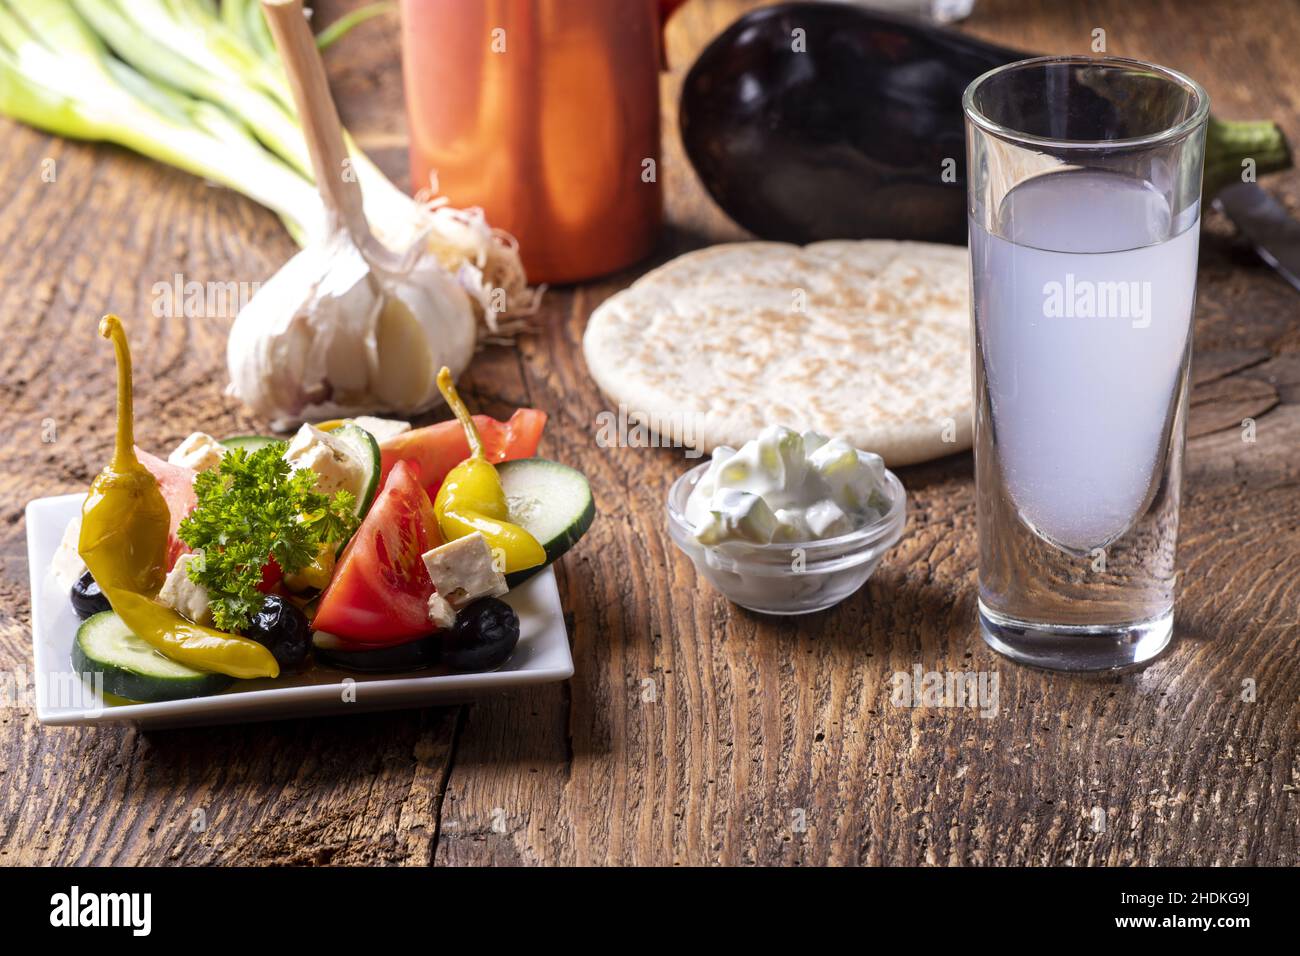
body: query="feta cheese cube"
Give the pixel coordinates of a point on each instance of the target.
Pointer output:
(382, 428)
(67, 564)
(184, 596)
(336, 468)
(463, 570)
(441, 614)
(200, 452)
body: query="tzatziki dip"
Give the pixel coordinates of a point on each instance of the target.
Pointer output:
(789, 523)
(784, 486)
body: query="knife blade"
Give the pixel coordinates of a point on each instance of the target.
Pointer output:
(1266, 225)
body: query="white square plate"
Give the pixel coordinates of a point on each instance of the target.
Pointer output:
(61, 698)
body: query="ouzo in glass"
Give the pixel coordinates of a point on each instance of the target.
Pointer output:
(1084, 204)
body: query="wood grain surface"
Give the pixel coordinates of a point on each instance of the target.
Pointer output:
(692, 732)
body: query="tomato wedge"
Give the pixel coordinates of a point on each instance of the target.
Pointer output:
(176, 482)
(440, 448)
(379, 594)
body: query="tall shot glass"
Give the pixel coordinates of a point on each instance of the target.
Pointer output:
(1084, 204)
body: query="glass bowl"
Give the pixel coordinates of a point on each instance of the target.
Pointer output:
(788, 577)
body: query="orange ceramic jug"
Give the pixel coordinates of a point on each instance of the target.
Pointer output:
(546, 114)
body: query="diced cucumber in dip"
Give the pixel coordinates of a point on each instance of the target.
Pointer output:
(552, 502)
(736, 514)
(787, 487)
(133, 669)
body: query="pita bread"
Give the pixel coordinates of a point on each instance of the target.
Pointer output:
(866, 340)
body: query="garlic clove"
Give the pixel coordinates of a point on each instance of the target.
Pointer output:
(403, 356)
(428, 322)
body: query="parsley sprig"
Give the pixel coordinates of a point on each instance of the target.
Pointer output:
(251, 507)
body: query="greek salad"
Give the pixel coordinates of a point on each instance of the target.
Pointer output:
(362, 544)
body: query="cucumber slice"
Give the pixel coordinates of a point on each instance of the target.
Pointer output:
(132, 668)
(552, 502)
(332, 651)
(249, 443)
(365, 449)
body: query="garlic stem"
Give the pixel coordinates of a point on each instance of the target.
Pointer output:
(335, 177)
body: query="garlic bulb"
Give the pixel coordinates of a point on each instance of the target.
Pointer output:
(347, 326)
(326, 338)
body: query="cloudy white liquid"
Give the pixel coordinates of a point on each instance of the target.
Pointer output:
(1083, 309)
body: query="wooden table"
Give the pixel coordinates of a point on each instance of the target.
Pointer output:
(692, 732)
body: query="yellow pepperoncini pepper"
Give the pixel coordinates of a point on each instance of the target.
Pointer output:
(124, 523)
(471, 498)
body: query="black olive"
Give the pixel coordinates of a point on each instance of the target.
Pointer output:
(87, 598)
(413, 655)
(483, 636)
(283, 629)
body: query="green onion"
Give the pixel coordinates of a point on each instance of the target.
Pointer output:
(245, 18)
(56, 74)
(189, 45)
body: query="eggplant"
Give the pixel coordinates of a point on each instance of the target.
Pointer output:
(846, 130)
